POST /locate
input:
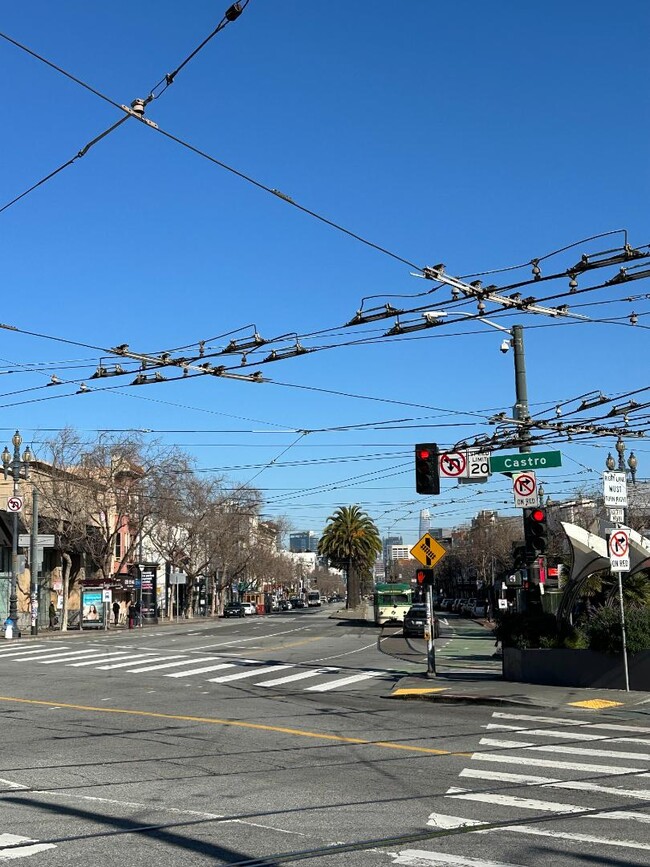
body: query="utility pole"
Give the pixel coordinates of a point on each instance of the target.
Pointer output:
(520, 409)
(33, 565)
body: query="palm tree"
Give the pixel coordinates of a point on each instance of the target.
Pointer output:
(351, 541)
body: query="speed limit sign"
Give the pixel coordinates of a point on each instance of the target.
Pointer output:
(14, 504)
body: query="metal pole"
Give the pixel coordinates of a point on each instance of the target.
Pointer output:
(13, 597)
(521, 411)
(431, 647)
(33, 564)
(620, 599)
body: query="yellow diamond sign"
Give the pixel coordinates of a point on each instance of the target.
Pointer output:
(427, 551)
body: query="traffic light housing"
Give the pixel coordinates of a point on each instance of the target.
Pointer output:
(427, 472)
(535, 532)
(424, 577)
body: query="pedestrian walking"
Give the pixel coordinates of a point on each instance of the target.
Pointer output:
(52, 615)
(116, 612)
(138, 609)
(131, 614)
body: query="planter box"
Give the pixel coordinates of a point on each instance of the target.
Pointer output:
(582, 668)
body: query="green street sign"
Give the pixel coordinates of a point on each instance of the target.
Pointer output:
(524, 461)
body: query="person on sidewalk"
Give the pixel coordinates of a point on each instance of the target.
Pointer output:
(52, 615)
(116, 612)
(131, 614)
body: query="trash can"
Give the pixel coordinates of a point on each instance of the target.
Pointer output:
(9, 628)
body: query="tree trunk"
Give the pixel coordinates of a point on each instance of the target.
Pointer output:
(66, 568)
(354, 597)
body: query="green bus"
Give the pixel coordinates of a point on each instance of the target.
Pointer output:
(391, 602)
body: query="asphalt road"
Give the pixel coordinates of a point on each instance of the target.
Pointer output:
(273, 740)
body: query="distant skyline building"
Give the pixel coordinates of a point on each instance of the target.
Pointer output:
(425, 522)
(304, 542)
(387, 543)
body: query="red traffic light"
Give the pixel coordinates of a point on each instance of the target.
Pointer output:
(424, 454)
(538, 515)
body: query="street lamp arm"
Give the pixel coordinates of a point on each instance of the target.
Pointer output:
(435, 314)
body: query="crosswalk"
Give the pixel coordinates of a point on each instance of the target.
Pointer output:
(214, 668)
(583, 787)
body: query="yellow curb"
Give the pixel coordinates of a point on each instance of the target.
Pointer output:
(596, 703)
(419, 690)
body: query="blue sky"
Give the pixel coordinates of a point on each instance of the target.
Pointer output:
(479, 135)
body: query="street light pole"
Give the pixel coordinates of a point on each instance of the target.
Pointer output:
(18, 469)
(521, 411)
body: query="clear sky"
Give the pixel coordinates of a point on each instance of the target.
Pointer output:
(479, 135)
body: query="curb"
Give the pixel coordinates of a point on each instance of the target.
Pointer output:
(455, 698)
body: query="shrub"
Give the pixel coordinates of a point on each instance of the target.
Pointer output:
(524, 630)
(603, 630)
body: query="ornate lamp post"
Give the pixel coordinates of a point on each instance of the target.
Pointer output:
(17, 469)
(632, 462)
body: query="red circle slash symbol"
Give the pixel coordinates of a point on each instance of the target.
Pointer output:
(619, 544)
(524, 485)
(452, 464)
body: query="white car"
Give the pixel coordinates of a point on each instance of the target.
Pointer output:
(249, 608)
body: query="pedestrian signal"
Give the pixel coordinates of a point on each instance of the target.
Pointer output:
(427, 472)
(424, 577)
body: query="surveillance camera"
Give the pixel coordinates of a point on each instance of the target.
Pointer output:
(505, 346)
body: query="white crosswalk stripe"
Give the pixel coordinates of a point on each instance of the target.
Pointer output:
(109, 657)
(13, 846)
(497, 798)
(335, 684)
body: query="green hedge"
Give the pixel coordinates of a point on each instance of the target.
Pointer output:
(601, 632)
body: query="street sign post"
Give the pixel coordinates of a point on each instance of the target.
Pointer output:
(525, 461)
(428, 551)
(524, 487)
(615, 489)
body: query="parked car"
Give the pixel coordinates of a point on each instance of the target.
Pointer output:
(479, 609)
(234, 609)
(467, 608)
(249, 608)
(415, 620)
(296, 602)
(285, 605)
(444, 604)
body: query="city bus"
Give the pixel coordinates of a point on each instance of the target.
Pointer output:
(313, 599)
(391, 602)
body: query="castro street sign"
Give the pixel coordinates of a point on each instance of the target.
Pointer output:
(520, 462)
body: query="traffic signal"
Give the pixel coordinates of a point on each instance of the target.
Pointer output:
(424, 577)
(427, 473)
(535, 532)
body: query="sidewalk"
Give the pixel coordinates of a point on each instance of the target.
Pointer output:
(469, 672)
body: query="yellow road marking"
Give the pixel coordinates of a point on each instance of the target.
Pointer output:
(596, 703)
(235, 724)
(419, 690)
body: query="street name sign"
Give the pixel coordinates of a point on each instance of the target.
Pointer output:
(618, 544)
(615, 489)
(428, 551)
(520, 462)
(524, 487)
(43, 540)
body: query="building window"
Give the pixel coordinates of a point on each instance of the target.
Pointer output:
(118, 546)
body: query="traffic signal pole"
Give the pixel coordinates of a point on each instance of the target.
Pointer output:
(431, 646)
(521, 411)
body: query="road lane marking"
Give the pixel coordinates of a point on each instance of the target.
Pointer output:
(109, 656)
(300, 676)
(596, 703)
(439, 820)
(567, 735)
(250, 672)
(421, 690)
(303, 733)
(552, 783)
(334, 684)
(424, 858)
(128, 660)
(15, 851)
(502, 758)
(185, 661)
(578, 723)
(28, 653)
(556, 748)
(201, 670)
(290, 644)
(70, 655)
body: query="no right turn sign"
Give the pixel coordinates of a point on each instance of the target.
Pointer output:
(618, 544)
